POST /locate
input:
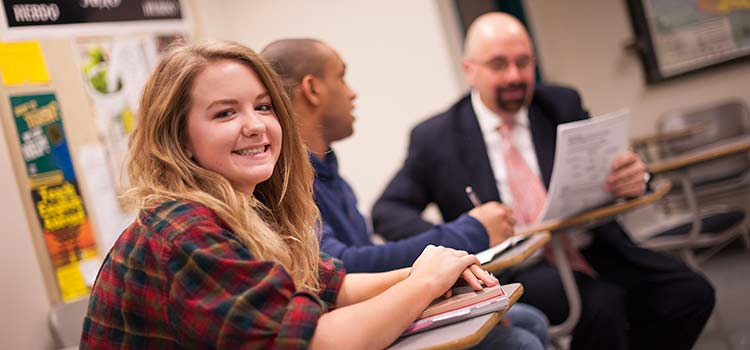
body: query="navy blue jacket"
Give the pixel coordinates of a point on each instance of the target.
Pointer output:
(447, 153)
(346, 235)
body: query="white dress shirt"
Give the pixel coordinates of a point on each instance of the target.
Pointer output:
(489, 122)
(521, 134)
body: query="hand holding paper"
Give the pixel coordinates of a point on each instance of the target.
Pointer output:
(628, 176)
(584, 153)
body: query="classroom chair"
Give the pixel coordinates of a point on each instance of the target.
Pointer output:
(699, 226)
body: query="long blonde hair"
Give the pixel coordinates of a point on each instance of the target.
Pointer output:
(278, 222)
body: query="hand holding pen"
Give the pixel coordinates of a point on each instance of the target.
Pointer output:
(472, 196)
(496, 218)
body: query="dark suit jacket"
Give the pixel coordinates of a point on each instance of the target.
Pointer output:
(447, 153)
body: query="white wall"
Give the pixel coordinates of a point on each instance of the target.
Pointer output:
(397, 56)
(23, 297)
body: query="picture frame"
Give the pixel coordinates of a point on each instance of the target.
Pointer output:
(678, 37)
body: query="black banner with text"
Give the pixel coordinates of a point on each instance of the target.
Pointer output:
(20, 13)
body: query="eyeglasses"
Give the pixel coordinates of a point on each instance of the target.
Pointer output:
(501, 64)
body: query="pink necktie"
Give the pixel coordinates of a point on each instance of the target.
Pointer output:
(529, 195)
(524, 185)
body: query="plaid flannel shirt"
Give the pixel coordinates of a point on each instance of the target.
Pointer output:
(178, 278)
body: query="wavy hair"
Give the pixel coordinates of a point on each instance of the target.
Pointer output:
(278, 221)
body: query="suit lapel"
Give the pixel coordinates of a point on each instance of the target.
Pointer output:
(544, 137)
(473, 153)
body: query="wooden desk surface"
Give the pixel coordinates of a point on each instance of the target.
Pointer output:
(539, 235)
(660, 189)
(519, 253)
(460, 335)
(732, 146)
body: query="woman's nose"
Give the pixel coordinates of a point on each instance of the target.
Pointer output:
(252, 125)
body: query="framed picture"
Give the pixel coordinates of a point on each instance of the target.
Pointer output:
(675, 37)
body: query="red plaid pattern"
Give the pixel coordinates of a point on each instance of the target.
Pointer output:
(178, 278)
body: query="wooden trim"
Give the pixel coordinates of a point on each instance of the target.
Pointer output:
(540, 231)
(661, 188)
(669, 135)
(742, 145)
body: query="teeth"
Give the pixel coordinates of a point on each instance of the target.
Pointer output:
(251, 151)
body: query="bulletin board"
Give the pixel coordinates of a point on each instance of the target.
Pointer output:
(67, 106)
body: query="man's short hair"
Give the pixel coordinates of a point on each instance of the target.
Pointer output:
(293, 59)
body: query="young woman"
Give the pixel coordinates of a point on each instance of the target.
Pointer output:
(224, 252)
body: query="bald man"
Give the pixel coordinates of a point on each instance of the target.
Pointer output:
(314, 74)
(500, 139)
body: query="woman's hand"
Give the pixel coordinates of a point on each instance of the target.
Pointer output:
(440, 267)
(474, 274)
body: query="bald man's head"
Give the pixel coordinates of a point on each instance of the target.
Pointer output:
(489, 26)
(499, 62)
(292, 59)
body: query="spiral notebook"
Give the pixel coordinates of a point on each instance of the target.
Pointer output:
(465, 303)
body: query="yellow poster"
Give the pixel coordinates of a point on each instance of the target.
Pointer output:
(66, 228)
(22, 63)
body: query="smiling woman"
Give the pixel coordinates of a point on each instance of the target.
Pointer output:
(224, 252)
(232, 126)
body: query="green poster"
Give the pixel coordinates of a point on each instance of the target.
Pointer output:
(65, 226)
(42, 137)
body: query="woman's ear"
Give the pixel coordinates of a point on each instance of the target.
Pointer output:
(188, 152)
(309, 89)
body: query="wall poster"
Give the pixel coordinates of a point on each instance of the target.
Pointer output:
(114, 71)
(54, 189)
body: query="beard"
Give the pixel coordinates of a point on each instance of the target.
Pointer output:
(512, 105)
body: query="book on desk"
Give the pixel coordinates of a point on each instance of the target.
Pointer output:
(464, 303)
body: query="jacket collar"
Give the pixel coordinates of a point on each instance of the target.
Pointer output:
(326, 169)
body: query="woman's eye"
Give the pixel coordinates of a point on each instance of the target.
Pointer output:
(264, 107)
(225, 113)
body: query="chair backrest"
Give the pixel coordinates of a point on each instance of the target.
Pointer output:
(711, 124)
(66, 322)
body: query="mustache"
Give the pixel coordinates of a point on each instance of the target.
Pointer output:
(513, 86)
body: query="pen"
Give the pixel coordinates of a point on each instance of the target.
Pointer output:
(475, 201)
(472, 196)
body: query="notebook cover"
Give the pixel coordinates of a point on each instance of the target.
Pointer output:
(461, 300)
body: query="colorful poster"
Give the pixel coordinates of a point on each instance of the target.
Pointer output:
(114, 71)
(54, 189)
